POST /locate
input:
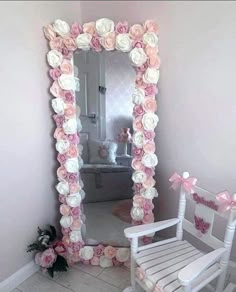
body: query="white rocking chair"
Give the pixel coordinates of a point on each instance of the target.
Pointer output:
(174, 264)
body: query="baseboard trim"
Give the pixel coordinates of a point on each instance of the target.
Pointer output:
(18, 277)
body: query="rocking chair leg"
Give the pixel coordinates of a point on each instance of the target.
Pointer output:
(221, 282)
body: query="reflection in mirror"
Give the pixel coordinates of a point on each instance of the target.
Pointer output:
(105, 105)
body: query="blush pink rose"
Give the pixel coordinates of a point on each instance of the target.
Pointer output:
(89, 28)
(59, 119)
(151, 51)
(75, 212)
(137, 164)
(150, 90)
(49, 32)
(69, 43)
(147, 205)
(138, 200)
(55, 73)
(67, 54)
(59, 247)
(149, 135)
(152, 26)
(138, 110)
(61, 158)
(150, 104)
(149, 171)
(138, 44)
(68, 96)
(70, 111)
(56, 44)
(149, 182)
(110, 252)
(59, 134)
(137, 124)
(148, 218)
(65, 231)
(73, 151)
(47, 258)
(95, 44)
(122, 27)
(143, 68)
(73, 138)
(76, 225)
(66, 240)
(74, 188)
(138, 152)
(55, 89)
(140, 274)
(98, 250)
(137, 187)
(75, 30)
(149, 147)
(72, 177)
(66, 67)
(95, 261)
(61, 172)
(108, 42)
(139, 81)
(154, 61)
(62, 199)
(136, 31)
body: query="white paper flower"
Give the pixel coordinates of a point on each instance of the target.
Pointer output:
(151, 75)
(138, 96)
(105, 262)
(54, 58)
(74, 200)
(151, 39)
(75, 236)
(70, 126)
(149, 160)
(86, 253)
(80, 162)
(149, 193)
(62, 146)
(58, 105)
(137, 213)
(83, 41)
(150, 121)
(123, 254)
(63, 187)
(104, 26)
(72, 165)
(138, 139)
(138, 56)
(61, 27)
(66, 221)
(123, 42)
(82, 193)
(79, 125)
(66, 82)
(139, 176)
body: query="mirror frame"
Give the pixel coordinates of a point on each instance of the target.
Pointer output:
(140, 41)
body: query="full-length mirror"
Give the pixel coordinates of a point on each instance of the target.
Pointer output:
(105, 106)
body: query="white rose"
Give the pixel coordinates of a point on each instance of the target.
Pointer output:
(70, 126)
(137, 213)
(138, 96)
(54, 58)
(86, 253)
(74, 200)
(81, 162)
(83, 41)
(149, 193)
(151, 75)
(72, 165)
(105, 262)
(79, 125)
(138, 56)
(104, 26)
(58, 105)
(123, 42)
(82, 193)
(61, 27)
(151, 39)
(138, 139)
(63, 187)
(139, 176)
(150, 121)
(123, 254)
(62, 146)
(66, 221)
(66, 82)
(75, 236)
(149, 160)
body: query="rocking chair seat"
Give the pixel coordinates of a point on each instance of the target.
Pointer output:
(158, 267)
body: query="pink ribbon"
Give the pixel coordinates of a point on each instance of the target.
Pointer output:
(226, 202)
(187, 183)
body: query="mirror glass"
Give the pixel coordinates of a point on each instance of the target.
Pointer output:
(104, 101)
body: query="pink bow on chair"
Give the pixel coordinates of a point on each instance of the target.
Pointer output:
(226, 202)
(188, 183)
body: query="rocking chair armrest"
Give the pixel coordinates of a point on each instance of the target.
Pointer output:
(141, 230)
(193, 270)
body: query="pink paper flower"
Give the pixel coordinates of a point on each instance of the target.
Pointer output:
(149, 147)
(138, 44)
(154, 61)
(89, 28)
(49, 32)
(59, 134)
(75, 30)
(62, 199)
(76, 225)
(55, 73)
(149, 171)
(138, 201)
(122, 27)
(149, 135)
(136, 31)
(70, 111)
(147, 205)
(59, 119)
(75, 212)
(72, 177)
(55, 89)
(61, 172)
(56, 44)
(148, 218)
(66, 67)
(47, 258)
(74, 187)
(140, 274)
(110, 252)
(61, 158)
(149, 183)
(95, 44)
(98, 250)
(138, 110)
(59, 247)
(137, 164)
(68, 96)
(138, 152)
(151, 25)
(137, 124)
(150, 90)
(73, 151)
(139, 81)
(95, 261)
(151, 51)
(67, 53)
(73, 138)
(108, 42)
(150, 104)
(65, 231)
(137, 187)
(143, 68)
(69, 43)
